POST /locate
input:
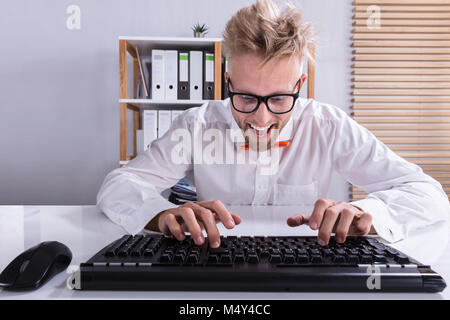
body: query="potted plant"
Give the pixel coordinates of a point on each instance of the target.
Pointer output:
(199, 30)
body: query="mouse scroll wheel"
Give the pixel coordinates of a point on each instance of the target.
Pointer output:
(24, 266)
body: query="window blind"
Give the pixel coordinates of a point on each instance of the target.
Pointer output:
(401, 80)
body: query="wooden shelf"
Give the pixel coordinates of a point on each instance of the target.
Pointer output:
(142, 103)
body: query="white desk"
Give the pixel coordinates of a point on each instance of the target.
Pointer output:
(85, 230)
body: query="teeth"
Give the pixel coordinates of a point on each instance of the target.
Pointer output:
(260, 128)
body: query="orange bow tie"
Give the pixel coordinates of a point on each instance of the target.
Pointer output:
(279, 144)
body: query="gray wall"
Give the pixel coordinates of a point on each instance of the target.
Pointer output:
(59, 88)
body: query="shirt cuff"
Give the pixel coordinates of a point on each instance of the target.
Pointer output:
(382, 221)
(135, 223)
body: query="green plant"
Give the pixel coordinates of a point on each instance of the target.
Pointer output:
(200, 28)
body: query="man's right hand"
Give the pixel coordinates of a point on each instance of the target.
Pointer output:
(196, 217)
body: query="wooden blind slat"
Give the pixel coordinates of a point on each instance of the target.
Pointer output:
(399, 85)
(400, 8)
(412, 134)
(413, 120)
(408, 127)
(403, 2)
(384, 51)
(399, 79)
(406, 22)
(401, 43)
(419, 147)
(418, 99)
(400, 36)
(401, 29)
(392, 107)
(377, 64)
(394, 72)
(400, 92)
(396, 57)
(400, 114)
(405, 15)
(434, 141)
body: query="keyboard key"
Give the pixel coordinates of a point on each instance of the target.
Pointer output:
(213, 258)
(226, 258)
(179, 258)
(275, 251)
(402, 259)
(166, 258)
(275, 258)
(252, 258)
(264, 253)
(365, 258)
(338, 259)
(302, 258)
(289, 258)
(239, 258)
(379, 258)
(192, 258)
(352, 258)
(316, 258)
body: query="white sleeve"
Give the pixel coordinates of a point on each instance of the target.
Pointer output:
(131, 196)
(401, 197)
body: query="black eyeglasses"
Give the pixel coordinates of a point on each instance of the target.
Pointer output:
(276, 103)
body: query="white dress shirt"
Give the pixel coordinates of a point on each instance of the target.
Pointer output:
(323, 139)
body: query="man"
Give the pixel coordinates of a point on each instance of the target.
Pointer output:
(304, 141)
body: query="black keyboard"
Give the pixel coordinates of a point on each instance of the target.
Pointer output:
(286, 263)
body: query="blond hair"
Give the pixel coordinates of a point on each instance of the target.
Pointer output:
(264, 29)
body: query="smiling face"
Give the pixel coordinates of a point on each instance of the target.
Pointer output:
(279, 75)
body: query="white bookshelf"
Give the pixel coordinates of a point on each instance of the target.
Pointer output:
(145, 103)
(127, 48)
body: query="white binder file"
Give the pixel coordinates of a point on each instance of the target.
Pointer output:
(158, 70)
(196, 73)
(150, 126)
(164, 122)
(140, 142)
(171, 74)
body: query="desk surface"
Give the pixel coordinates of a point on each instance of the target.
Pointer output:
(85, 230)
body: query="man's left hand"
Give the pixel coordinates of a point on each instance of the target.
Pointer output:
(339, 217)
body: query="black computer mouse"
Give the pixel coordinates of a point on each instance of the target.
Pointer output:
(35, 266)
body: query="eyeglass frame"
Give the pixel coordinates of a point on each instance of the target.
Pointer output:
(265, 99)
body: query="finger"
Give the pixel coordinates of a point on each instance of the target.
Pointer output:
(237, 219)
(319, 209)
(345, 220)
(361, 225)
(329, 220)
(206, 217)
(190, 220)
(174, 227)
(224, 215)
(297, 220)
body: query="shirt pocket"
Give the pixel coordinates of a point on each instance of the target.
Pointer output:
(305, 194)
